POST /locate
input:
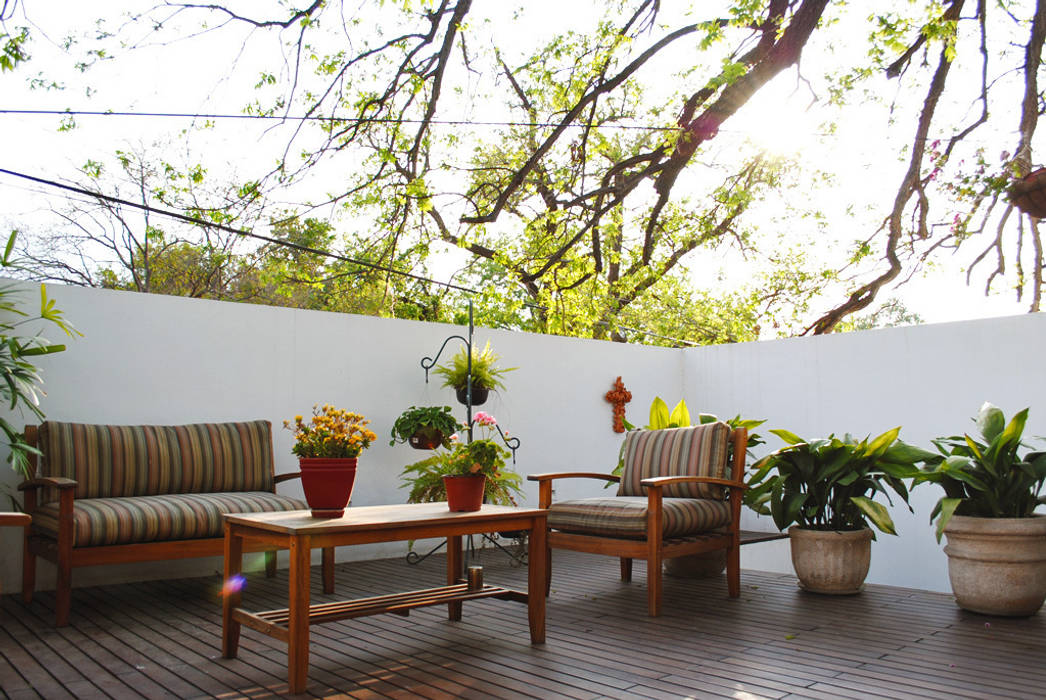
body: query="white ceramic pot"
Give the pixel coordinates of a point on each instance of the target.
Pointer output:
(997, 566)
(831, 561)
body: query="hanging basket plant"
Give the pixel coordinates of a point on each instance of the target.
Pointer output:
(425, 427)
(1029, 193)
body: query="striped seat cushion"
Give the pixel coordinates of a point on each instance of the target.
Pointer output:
(625, 516)
(110, 461)
(700, 450)
(103, 521)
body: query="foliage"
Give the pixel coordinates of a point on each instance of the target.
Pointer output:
(830, 484)
(986, 479)
(22, 381)
(482, 456)
(415, 417)
(485, 372)
(331, 433)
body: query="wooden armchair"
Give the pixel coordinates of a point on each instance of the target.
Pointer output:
(674, 498)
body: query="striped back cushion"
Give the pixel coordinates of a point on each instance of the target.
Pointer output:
(112, 461)
(700, 450)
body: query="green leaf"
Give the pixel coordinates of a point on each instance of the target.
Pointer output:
(947, 508)
(879, 445)
(659, 417)
(990, 421)
(876, 513)
(788, 437)
(680, 417)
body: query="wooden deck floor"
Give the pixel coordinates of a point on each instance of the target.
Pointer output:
(162, 639)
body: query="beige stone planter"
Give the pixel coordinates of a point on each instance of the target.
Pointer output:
(997, 566)
(832, 562)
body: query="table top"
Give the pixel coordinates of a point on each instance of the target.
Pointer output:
(367, 518)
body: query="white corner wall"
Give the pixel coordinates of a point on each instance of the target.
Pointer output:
(929, 379)
(167, 360)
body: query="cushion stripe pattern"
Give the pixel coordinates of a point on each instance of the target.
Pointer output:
(111, 461)
(699, 450)
(625, 516)
(106, 521)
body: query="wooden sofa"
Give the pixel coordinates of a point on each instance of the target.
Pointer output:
(112, 494)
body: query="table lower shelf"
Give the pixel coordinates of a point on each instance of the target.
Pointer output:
(275, 622)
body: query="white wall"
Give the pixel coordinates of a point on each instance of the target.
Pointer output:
(157, 359)
(929, 379)
(167, 360)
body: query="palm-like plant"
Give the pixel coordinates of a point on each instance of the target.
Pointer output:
(831, 483)
(986, 479)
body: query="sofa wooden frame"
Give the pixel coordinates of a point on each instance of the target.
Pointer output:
(652, 547)
(61, 552)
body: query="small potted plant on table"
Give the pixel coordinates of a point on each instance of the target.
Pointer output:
(328, 447)
(996, 542)
(425, 427)
(486, 375)
(824, 490)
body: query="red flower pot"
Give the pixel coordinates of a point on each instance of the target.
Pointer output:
(465, 493)
(327, 483)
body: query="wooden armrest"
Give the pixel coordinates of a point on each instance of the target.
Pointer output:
(572, 475)
(57, 482)
(15, 519)
(659, 481)
(286, 477)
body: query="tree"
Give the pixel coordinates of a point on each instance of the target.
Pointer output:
(618, 164)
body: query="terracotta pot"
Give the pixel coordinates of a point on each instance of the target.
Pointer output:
(997, 566)
(830, 561)
(464, 493)
(327, 483)
(426, 438)
(479, 396)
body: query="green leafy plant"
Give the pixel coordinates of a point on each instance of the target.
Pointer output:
(22, 382)
(480, 457)
(986, 479)
(415, 418)
(830, 484)
(485, 372)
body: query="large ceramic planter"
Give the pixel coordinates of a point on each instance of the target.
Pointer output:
(830, 561)
(997, 566)
(465, 493)
(327, 483)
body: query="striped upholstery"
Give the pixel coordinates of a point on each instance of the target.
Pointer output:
(110, 461)
(105, 521)
(696, 451)
(625, 516)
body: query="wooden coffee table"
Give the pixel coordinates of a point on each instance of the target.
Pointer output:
(300, 533)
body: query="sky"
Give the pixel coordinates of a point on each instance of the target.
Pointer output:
(187, 77)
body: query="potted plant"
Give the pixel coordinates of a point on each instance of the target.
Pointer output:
(472, 471)
(328, 446)
(823, 491)
(996, 542)
(486, 375)
(425, 427)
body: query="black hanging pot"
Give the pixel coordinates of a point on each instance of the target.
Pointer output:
(479, 395)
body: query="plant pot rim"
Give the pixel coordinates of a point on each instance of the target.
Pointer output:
(864, 532)
(1035, 523)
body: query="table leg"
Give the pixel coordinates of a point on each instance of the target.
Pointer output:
(536, 563)
(233, 550)
(454, 573)
(298, 613)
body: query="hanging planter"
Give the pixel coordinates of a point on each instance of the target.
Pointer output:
(479, 395)
(1029, 193)
(425, 427)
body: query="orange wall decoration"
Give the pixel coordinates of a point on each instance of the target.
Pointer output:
(619, 396)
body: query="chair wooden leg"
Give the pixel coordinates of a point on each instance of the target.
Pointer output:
(28, 571)
(626, 569)
(548, 570)
(63, 592)
(733, 571)
(653, 585)
(327, 568)
(270, 563)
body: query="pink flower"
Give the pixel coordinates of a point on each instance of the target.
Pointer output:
(485, 419)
